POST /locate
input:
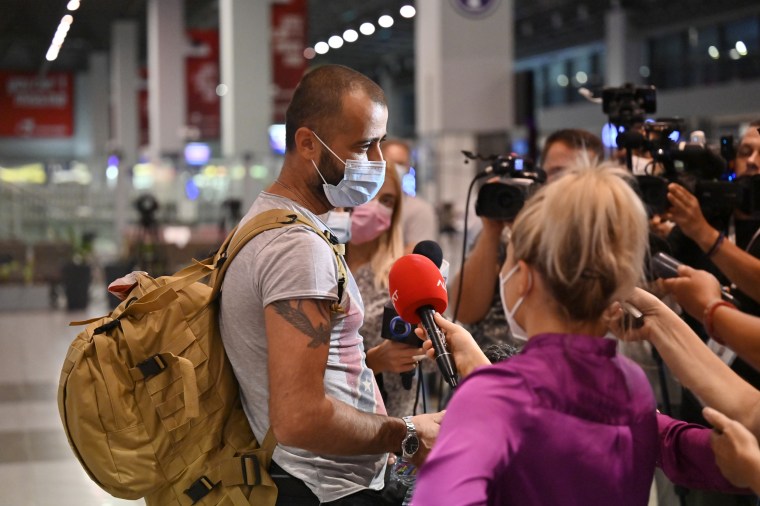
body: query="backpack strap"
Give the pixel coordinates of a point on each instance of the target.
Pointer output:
(268, 220)
(249, 469)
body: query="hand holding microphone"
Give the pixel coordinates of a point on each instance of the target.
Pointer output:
(417, 291)
(467, 354)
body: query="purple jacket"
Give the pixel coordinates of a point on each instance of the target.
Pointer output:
(568, 421)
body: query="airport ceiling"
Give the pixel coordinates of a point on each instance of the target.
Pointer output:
(27, 27)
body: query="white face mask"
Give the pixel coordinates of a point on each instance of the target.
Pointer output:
(339, 223)
(361, 181)
(515, 328)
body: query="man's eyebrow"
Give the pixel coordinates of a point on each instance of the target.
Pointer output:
(374, 139)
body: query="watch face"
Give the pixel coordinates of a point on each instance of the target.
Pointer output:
(411, 445)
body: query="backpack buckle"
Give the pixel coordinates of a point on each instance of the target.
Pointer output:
(107, 327)
(152, 366)
(199, 489)
(254, 468)
(291, 218)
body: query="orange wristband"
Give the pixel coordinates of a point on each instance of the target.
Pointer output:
(709, 316)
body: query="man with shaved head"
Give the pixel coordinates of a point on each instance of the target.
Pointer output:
(291, 328)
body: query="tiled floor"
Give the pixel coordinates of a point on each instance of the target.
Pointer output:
(37, 467)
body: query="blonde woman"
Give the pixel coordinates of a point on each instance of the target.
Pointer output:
(567, 421)
(376, 242)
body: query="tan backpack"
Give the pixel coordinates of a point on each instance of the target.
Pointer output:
(148, 399)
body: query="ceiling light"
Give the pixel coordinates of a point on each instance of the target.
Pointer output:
(734, 54)
(562, 80)
(309, 53)
(367, 28)
(407, 11)
(73, 5)
(52, 53)
(581, 77)
(67, 19)
(321, 47)
(385, 21)
(335, 42)
(741, 48)
(713, 52)
(350, 35)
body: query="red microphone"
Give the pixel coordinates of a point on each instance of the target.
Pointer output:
(418, 291)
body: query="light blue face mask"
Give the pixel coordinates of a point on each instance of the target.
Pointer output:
(361, 181)
(339, 223)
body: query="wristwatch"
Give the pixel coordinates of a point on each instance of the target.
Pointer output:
(411, 442)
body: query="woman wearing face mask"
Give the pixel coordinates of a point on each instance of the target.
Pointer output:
(567, 421)
(376, 242)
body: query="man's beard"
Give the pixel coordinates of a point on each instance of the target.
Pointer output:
(330, 168)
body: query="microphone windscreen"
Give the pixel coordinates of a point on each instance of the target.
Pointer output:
(431, 250)
(415, 281)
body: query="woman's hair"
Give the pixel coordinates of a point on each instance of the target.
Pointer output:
(586, 234)
(390, 244)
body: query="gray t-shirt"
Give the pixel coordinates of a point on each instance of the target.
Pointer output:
(295, 263)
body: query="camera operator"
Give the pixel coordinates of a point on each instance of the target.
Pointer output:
(741, 267)
(479, 305)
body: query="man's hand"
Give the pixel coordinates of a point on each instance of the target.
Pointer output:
(467, 354)
(736, 449)
(687, 214)
(427, 427)
(493, 228)
(660, 227)
(393, 356)
(693, 289)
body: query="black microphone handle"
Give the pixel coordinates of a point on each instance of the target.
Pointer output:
(407, 378)
(443, 358)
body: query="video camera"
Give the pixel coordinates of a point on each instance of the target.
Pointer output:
(691, 164)
(147, 205)
(629, 104)
(518, 180)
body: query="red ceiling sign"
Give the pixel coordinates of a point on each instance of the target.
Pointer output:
(288, 43)
(33, 106)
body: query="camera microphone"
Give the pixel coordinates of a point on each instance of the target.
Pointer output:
(418, 291)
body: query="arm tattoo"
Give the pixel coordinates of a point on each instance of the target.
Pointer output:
(292, 311)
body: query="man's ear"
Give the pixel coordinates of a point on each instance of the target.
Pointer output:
(306, 144)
